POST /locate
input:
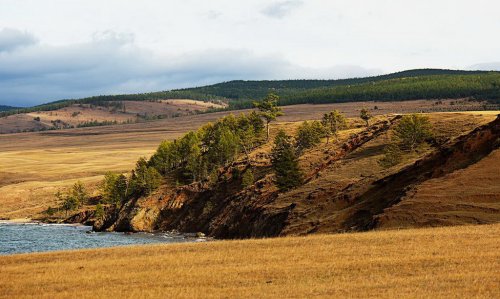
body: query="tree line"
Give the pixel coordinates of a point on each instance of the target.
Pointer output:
(484, 86)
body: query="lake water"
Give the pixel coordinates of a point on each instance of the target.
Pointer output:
(33, 237)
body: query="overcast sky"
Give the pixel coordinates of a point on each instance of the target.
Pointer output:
(55, 49)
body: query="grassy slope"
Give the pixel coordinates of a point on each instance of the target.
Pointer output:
(431, 263)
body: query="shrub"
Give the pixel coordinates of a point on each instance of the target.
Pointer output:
(392, 156)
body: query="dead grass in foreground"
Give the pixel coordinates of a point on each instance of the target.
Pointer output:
(438, 262)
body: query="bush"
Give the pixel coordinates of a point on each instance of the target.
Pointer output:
(392, 156)
(50, 211)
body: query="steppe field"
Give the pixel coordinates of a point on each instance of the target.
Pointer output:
(33, 166)
(451, 262)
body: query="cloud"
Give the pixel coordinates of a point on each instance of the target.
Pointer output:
(281, 9)
(111, 63)
(212, 14)
(11, 39)
(487, 66)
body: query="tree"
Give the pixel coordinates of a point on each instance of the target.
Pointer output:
(247, 178)
(79, 192)
(333, 122)
(285, 163)
(153, 180)
(108, 188)
(144, 178)
(74, 198)
(121, 186)
(249, 129)
(365, 115)
(268, 110)
(99, 211)
(412, 130)
(309, 135)
(166, 157)
(190, 151)
(114, 188)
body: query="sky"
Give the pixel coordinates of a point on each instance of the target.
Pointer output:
(59, 49)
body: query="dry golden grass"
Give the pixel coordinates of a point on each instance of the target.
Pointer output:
(458, 262)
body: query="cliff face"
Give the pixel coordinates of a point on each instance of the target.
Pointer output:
(325, 203)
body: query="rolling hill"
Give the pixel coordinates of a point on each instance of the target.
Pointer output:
(406, 85)
(7, 108)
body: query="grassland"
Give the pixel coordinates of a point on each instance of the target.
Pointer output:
(33, 166)
(458, 262)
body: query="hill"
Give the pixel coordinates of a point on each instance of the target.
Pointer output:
(78, 115)
(405, 85)
(345, 189)
(416, 263)
(242, 91)
(7, 108)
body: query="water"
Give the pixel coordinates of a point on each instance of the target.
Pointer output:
(33, 237)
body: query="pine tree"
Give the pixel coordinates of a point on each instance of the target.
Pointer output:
(247, 178)
(285, 163)
(412, 130)
(309, 135)
(268, 109)
(333, 122)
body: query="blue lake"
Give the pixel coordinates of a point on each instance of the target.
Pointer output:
(34, 237)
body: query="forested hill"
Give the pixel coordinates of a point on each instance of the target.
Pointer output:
(7, 108)
(244, 90)
(406, 85)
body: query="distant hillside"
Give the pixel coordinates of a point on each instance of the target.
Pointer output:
(244, 90)
(7, 108)
(406, 85)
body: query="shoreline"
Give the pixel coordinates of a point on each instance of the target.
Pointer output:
(18, 221)
(25, 221)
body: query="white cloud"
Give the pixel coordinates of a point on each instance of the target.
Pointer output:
(281, 9)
